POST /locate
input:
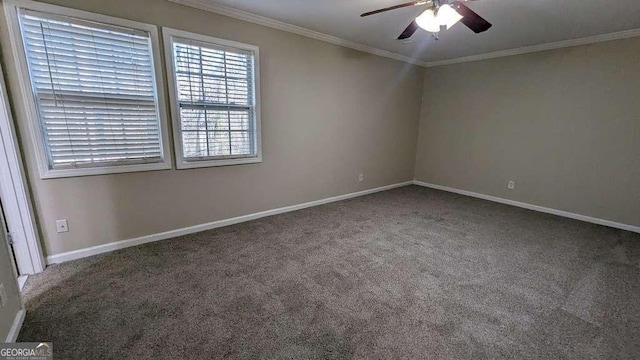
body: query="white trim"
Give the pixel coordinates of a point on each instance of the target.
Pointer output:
(194, 164)
(95, 250)
(265, 21)
(104, 170)
(15, 194)
(523, 205)
(22, 280)
(28, 102)
(542, 47)
(16, 326)
(168, 34)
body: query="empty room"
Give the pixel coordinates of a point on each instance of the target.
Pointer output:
(366, 179)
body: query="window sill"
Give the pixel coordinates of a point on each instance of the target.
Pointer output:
(103, 170)
(222, 162)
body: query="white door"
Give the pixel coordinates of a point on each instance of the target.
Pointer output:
(13, 226)
(14, 195)
(5, 231)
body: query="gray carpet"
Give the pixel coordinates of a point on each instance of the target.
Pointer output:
(410, 273)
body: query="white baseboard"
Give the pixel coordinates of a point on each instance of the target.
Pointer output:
(543, 209)
(22, 280)
(99, 249)
(16, 326)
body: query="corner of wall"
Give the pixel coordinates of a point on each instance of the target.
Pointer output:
(420, 127)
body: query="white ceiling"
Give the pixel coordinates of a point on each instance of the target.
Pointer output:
(516, 23)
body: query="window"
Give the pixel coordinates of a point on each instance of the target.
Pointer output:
(94, 92)
(213, 87)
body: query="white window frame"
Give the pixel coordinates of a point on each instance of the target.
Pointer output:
(168, 35)
(11, 12)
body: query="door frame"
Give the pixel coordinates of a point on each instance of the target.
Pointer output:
(15, 195)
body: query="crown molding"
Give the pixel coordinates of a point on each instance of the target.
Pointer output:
(265, 21)
(542, 47)
(210, 6)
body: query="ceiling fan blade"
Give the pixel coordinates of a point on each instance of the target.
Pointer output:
(409, 31)
(472, 20)
(413, 3)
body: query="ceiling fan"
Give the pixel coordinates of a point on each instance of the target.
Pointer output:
(440, 14)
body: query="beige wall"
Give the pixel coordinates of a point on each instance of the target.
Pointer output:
(564, 125)
(11, 300)
(328, 114)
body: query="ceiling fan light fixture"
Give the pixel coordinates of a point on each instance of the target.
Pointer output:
(447, 16)
(428, 21)
(432, 22)
(439, 15)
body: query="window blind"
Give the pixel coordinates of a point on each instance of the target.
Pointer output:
(215, 96)
(95, 91)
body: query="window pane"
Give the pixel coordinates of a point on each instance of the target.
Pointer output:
(94, 88)
(193, 119)
(214, 90)
(195, 143)
(219, 144)
(239, 120)
(189, 88)
(238, 92)
(240, 142)
(218, 120)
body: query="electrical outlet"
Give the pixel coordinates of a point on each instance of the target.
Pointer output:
(62, 226)
(511, 185)
(361, 177)
(3, 295)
